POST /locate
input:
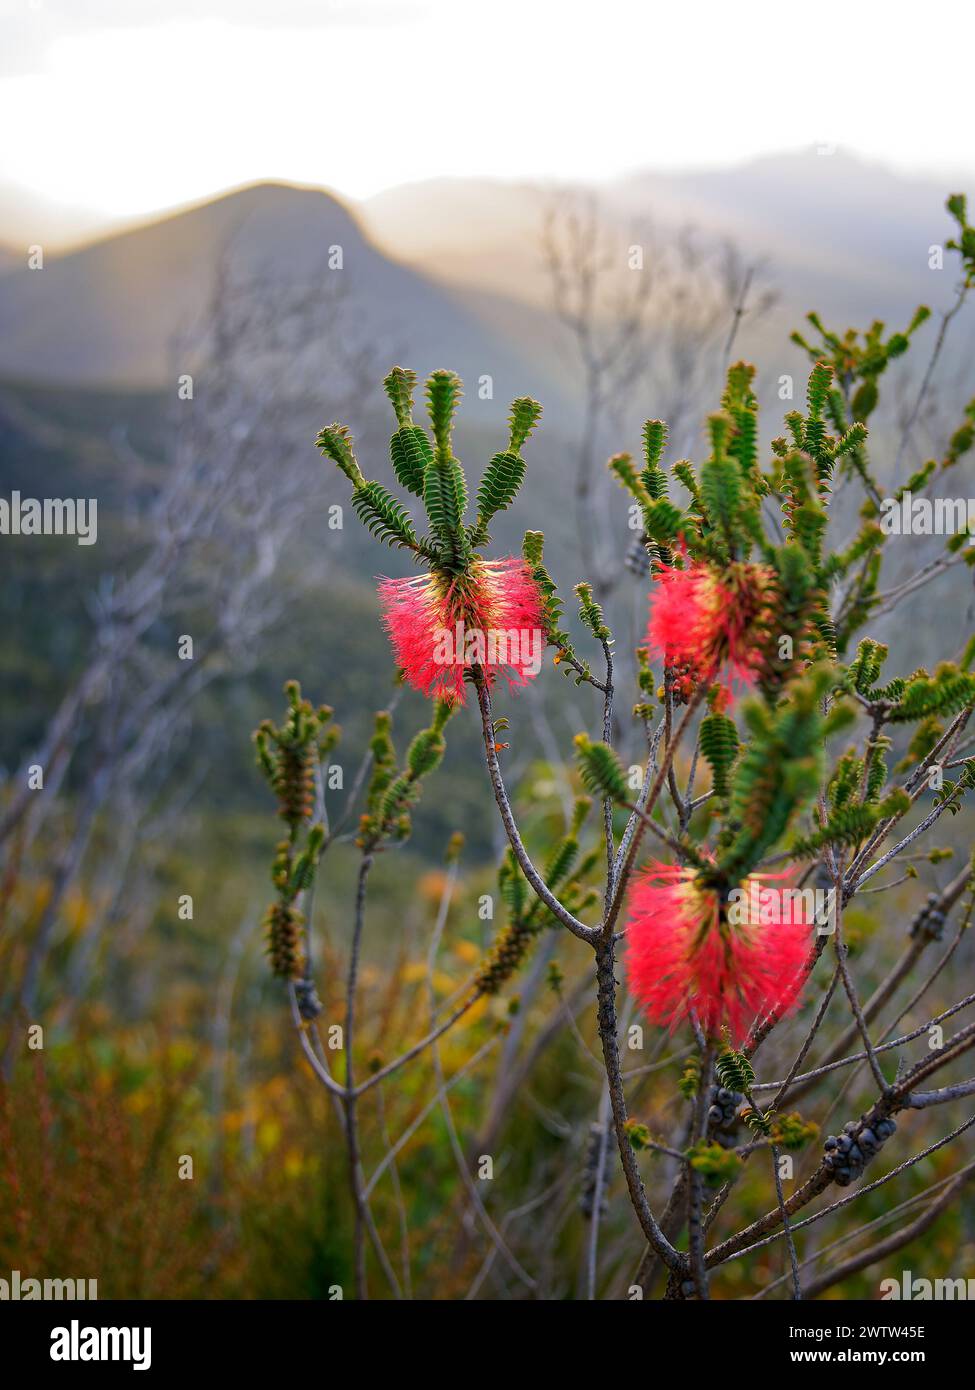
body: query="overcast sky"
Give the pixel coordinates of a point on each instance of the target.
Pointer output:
(126, 106)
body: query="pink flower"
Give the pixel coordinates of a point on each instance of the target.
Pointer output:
(713, 626)
(684, 954)
(440, 625)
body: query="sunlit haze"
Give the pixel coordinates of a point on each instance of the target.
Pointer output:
(125, 106)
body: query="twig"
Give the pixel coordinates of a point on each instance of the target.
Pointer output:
(562, 913)
(351, 1120)
(597, 1199)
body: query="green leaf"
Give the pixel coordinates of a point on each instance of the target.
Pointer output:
(734, 1070)
(383, 516)
(524, 415)
(719, 748)
(715, 1164)
(445, 498)
(600, 769)
(503, 477)
(443, 393)
(335, 442)
(410, 452)
(817, 390)
(399, 386)
(949, 691)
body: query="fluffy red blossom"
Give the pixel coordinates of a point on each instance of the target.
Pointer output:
(712, 625)
(684, 955)
(440, 625)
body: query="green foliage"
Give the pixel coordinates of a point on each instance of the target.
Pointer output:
(864, 670)
(663, 522)
(513, 886)
(727, 499)
(690, 1078)
(803, 513)
(506, 471)
(623, 467)
(443, 392)
(410, 453)
(778, 773)
(383, 516)
(513, 941)
(527, 914)
(792, 1132)
(425, 753)
(638, 1135)
(654, 443)
(846, 779)
(715, 1164)
(523, 416)
(532, 549)
(559, 864)
(850, 441)
(947, 692)
(600, 769)
(758, 1121)
(499, 486)
(383, 761)
(962, 439)
(741, 405)
(939, 855)
(857, 360)
(397, 794)
(335, 442)
(801, 615)
(684, 471)
(645, 677)
(923, 740)
(719, 748)
(817, 390)
(303, 874)
(721, 494)
(734, 1070)
(865, 399)
(868, 539)
(952, 791)
(592, 614)
(877, 768)
(410, 450)
(288, 756)
(433, 473)
(964, 241)
(504, 959)
(560, 861)
(851, 823)
(445, 498)
(918, 480)
(399, 386)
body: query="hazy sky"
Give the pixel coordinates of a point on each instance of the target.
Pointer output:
(125, 106)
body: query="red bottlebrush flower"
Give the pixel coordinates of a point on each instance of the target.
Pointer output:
(713, 624)
(440, 625)
(684, 954)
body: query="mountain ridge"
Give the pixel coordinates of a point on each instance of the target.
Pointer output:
(107, 312)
